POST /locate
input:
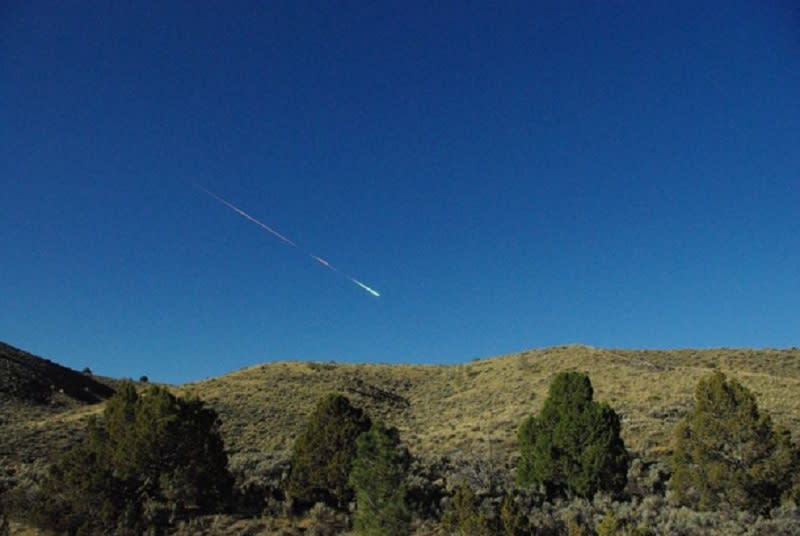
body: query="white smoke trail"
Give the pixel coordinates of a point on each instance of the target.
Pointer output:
(272, 231)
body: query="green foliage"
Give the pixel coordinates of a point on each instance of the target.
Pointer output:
(609, 525)
(325, 521)
(512, 521)
(462, 517)
(573, 446)
(378, 478)
(575, 528)
(727, 452)
(323, 453)
(152, 459)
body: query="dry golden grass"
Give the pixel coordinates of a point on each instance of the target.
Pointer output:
(474, 409)
(469, 410)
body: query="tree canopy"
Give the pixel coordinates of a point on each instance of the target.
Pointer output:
(152, 458)
(323, 453)
(728, 453)
(573, 446)
(378, 477)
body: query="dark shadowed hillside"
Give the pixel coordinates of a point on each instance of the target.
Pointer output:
(27, 378)
(43, 405)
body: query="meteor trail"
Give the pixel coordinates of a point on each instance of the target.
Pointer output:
(323, 262)
(365, 287)
(248, 216)
(275, 233)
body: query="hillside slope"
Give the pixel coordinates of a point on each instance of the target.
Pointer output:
(473, 410)
(41, 404)
(26, 377)
(470, 411)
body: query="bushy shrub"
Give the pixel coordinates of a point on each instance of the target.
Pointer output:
(463, 516)
(259, 484)
(323, 454)
(151, 460)
(378, 478)
(325, 521)
(573, 446)
(647, 478)
(545, 520)
(651, 516)
(612, 525)
(511, 520)
(727, 453)
(426, 487)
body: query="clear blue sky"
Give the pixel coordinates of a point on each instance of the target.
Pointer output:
(619, 174)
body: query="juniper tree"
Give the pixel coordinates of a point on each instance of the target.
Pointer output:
(378, 478)
(323, 453)
(150, 458)
(728, 453)
(573, 447)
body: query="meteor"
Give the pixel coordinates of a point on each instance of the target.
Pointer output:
(248, 216)
(275, 233)
(323, 262)
(365, 287)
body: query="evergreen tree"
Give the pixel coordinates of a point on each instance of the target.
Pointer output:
(152, 458)
(323, 453)
(727, 452)
(378, 478)
(573, 446)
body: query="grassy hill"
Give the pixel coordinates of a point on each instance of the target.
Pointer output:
(474, 409)
(42, 404)
(468, 410)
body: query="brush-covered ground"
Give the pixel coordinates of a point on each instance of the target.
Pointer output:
(475, 409)
(468, 412)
